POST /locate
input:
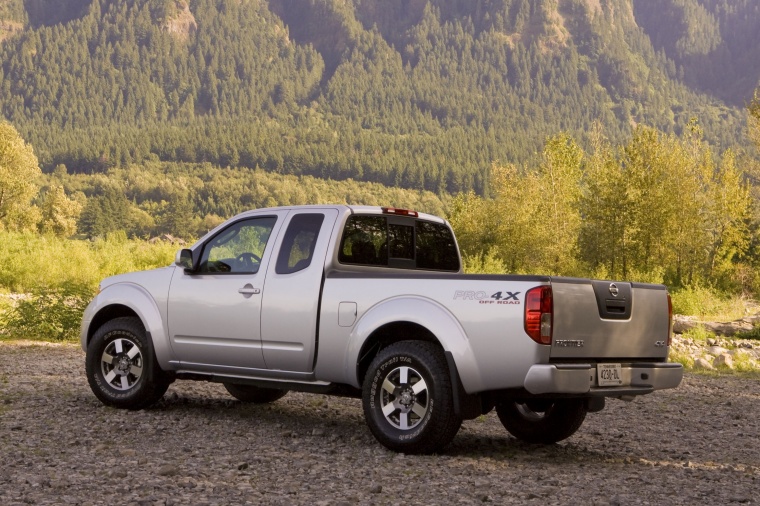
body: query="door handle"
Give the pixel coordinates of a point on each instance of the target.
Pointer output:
(249, 290)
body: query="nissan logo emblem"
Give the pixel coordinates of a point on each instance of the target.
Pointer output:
(614, 290)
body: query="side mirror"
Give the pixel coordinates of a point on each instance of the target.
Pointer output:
(184, 259)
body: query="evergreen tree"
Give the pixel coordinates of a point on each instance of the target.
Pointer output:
(108, 211)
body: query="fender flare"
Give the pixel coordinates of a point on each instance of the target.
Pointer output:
(426, 313)
(142, 303)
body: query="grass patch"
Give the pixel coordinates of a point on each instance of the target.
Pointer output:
(743, 362)
(699, 334)
(683, 358)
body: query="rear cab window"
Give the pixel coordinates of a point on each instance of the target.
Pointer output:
(299, 242)
(399, 243)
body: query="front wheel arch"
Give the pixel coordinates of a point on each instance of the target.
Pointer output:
(107, 314)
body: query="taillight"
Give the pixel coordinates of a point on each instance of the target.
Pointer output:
(539, 314)
(670, 320)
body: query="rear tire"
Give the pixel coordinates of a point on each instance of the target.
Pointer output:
(408, 400)
(542, 421)
(121, 366)
(254, 394)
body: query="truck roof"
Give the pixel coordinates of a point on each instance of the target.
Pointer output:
(354, 209)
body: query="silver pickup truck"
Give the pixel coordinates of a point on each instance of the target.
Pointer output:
(372, 303)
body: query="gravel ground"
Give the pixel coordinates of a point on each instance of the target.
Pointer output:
(697, 444)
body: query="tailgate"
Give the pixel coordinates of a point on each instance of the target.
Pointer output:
(609, 320)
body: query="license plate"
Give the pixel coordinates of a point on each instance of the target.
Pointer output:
(609, 375)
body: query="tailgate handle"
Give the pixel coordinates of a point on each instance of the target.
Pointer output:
(615, 306)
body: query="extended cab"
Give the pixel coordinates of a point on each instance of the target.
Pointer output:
(372, 302)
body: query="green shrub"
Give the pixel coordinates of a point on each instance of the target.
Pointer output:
(59, 277)
(6, 306)
(705, 304)
(49, 314)
(32, 260)
(487, 263)
(750, 334)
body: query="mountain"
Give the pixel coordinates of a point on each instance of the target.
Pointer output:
(715, 44)
(424, 94)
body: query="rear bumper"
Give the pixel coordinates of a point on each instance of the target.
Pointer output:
(638, 379)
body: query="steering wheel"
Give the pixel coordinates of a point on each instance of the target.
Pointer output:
(248, 259)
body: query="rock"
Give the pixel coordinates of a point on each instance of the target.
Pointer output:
(724, 359)
(716, 350)
(701, 363)
(682, 324)
(168, 470)
(729, 329)
(377, 489)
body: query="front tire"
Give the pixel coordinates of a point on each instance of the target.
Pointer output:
(407, 398)
(121, 366)
(254, 394)
(542, 421)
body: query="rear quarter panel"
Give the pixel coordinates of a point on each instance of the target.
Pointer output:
(484, 334)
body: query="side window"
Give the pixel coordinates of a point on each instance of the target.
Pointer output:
(436, 248)
(364, 238)
(298, 245)
(238, 248)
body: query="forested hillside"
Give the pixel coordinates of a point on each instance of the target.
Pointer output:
(421, 94)
(598, 138)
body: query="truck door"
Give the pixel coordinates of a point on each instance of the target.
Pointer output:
(290, 304)
(214, 313)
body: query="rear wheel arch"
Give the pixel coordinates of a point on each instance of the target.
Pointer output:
(409, 318)
(389, 334)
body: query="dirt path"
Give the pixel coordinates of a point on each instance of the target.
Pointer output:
(697, 444)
